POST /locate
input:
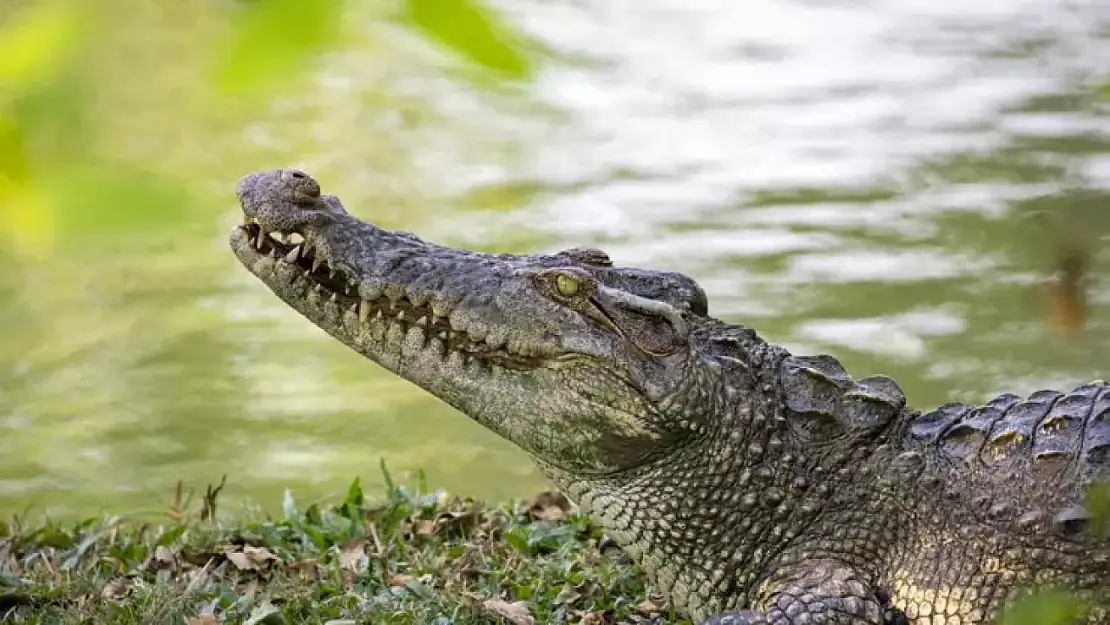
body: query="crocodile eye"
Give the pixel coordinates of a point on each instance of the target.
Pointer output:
(567, 285)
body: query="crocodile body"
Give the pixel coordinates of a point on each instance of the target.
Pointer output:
(751, 484)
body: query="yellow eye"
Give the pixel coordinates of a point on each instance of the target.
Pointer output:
(567, 285)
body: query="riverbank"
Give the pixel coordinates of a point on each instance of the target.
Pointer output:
(409, 556)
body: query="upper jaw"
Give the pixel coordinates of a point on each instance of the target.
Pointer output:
(252, 244)
(303, 271)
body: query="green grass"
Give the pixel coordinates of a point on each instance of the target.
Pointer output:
(412, 556)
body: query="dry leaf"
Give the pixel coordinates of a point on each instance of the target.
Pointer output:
(205, 618)
(549, 506)
(251, 558)
(425, 527)
(351, 553)
(116, 589)
(399, 579)
(516, 612)
(653, 605)
(306, 567)
(198, 558)
(452, 520)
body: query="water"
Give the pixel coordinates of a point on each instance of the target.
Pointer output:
(887, 181)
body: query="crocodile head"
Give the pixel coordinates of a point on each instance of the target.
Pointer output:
(574, 360)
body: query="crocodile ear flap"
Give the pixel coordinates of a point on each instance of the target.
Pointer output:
(654, 327)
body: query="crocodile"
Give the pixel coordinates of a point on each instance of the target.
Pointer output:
(752, 485)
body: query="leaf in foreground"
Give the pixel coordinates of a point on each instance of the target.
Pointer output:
(1045, 607)
(270, 38)
(472, 30)
(35, 42)
(516, 612)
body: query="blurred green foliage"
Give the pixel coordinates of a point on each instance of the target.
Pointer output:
(1049, 606)
(270, 39)
(67, 163)
(471, 30)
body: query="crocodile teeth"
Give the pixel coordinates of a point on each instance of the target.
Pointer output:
(261, 239)
(442, 335)
(364, 311)
(401, 316)
(331, 274)
(422, 321)
(316, 262)
(335, 298)
(274, 253)
(293, 255)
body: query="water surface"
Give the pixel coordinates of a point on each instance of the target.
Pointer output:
(887, 181)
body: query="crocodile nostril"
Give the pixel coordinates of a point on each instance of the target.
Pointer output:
(299, 174)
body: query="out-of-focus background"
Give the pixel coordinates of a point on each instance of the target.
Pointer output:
(890, 181)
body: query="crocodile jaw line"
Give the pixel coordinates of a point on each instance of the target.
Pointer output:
(395, 330)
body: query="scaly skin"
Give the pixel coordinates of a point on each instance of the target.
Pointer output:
(752, 485)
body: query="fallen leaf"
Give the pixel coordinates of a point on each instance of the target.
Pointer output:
(449, 521)
(205, 618)
(399, 579)
(549, 506)
(516, 612)
(306, 567)
(352, 552)
(199, 558)
(425, 527)
(652, 605)
(116, 589)
(251, 558)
